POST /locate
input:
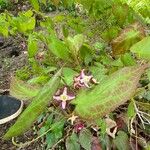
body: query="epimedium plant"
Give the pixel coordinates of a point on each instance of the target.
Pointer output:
(70, 104)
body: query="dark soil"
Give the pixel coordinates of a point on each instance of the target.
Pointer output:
(12, 57)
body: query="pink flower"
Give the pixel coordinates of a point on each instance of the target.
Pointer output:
(83, 80)
(78, 127)
(63, 96)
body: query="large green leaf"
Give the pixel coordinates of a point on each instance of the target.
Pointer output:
(22, 90)
(142, 48)
(59, 49)
(109, 94)
(35, 108)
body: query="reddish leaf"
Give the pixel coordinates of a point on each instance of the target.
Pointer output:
(96, 144)
(127, 38)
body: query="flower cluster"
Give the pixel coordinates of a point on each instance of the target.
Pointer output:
(83, 80)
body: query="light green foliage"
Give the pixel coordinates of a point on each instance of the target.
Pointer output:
(98, 71)
(35, 108)
(4, 25)
(72, 142)
(68, 75)
(24, 22)
(22, 90)
(128, 60)
(142, 48)
(142, 7)
(35, 4)
(104, 98)
(75, 43)
(58, 48)
(39, 79)
(32, 45)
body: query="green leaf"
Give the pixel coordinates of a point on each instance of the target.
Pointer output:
(24, 22)
(4, 25)
(131, 110)
(98, 71)
(103, 126)
(35, 108)
(110, 33)
(40, 79)
(128, 60)
(28, 13)
(59, 49)
(72, 142)
(117, 63)
(56, 133)
(75, 43)
(142, 48)
(122, 141)
(35, 4)
(86, 53)
(22, 90)
(109, 94)
(85, 139)
(32, 45)
(69, 74)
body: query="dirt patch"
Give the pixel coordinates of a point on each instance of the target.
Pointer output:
(12, 57)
